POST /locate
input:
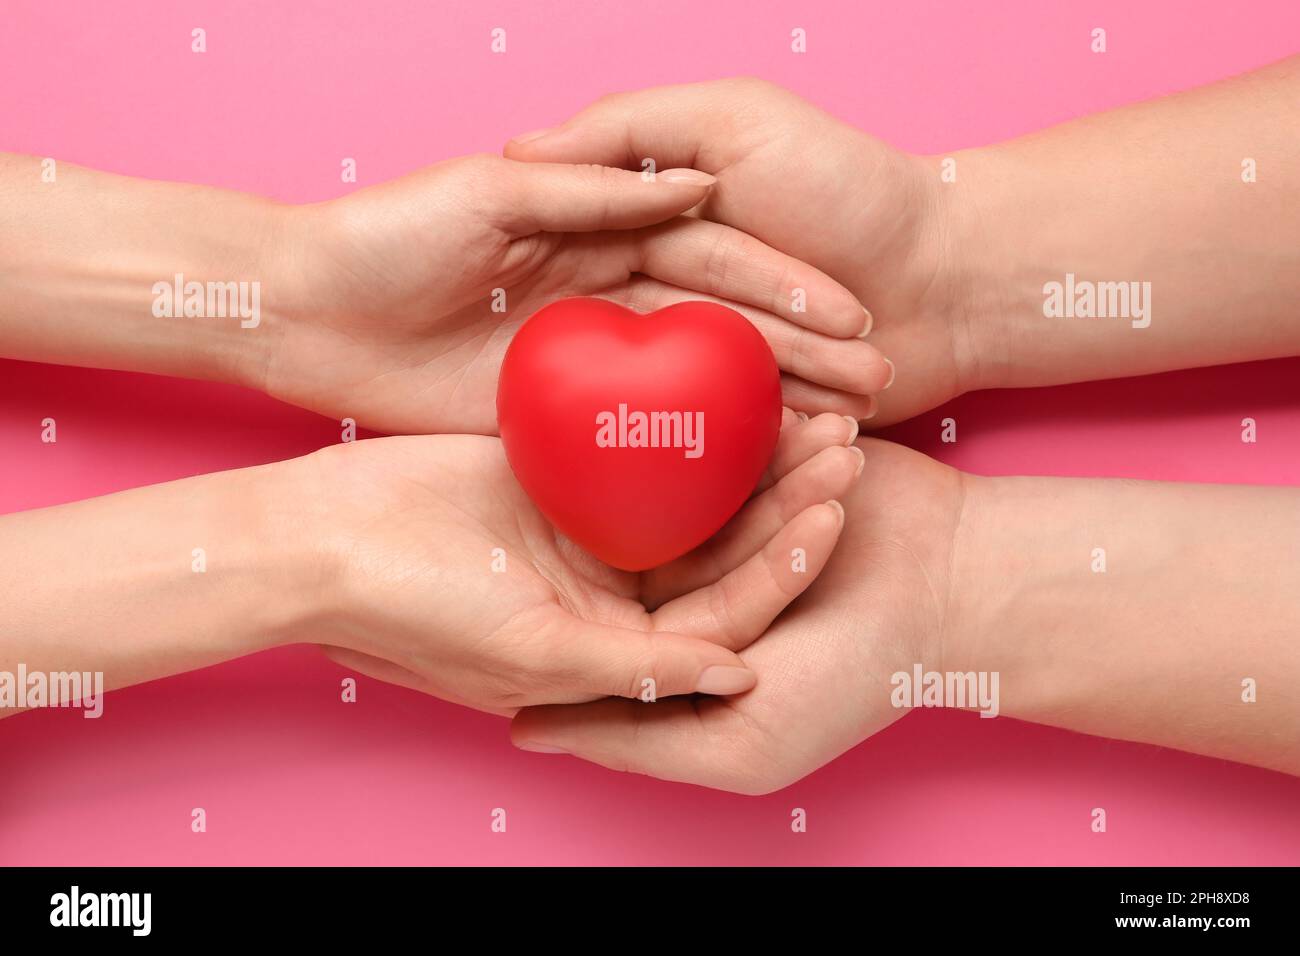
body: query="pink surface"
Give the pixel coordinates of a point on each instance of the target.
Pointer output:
(286, 773)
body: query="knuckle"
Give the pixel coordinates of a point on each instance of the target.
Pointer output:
(784, 282)
(607, 178)
(611, 100)
(642, 665)
(801, 346)
(723, 612)
(603, 182)
(719, 262)
(477, 168)
(749, 85)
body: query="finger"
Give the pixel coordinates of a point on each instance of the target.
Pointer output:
(801, 439)
(670, 740)
(814, 399)
(735, 610)
(696, 124)
(838, 365)
(544, 197)
(844, 364)
(829, 474)
(582, 659)
(725, 262)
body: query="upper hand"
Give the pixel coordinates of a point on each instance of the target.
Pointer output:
(878, 220)
(387, 313)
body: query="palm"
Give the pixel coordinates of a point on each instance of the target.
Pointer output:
(444, 516)
(465, 591)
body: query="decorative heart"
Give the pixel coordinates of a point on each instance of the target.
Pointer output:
(638, 436)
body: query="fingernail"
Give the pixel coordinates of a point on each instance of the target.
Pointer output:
(853, 428)
(803, 416)
(875, 407)
(839, 510)
(535, 134)
(723, 681)
(862, 459)
(541, 748)
(870, 322)
(686, 177)
(892, 372)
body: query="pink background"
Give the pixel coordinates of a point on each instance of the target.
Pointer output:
(286, 772)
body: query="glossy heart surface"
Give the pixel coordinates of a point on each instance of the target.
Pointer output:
(638, 436)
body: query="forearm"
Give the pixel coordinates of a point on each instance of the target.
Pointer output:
(91, 266)
(1153, 198)
(1137, 610)
(154, 581)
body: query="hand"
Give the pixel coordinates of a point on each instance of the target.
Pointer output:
(788, 174)
(425, 599)
(390, 316)
(966, 575)
(823, 669)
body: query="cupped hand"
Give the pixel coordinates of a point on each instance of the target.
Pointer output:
(397, 302)
(443, 576)
(878, 220)
(823, 668)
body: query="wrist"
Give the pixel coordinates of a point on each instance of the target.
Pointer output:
(985, 300)
(1028, 584)
(276, 237)
(214, 284)
(176, 289)
(299, 262)
(293, 571)
(990, 562)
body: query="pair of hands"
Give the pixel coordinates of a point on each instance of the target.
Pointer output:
(392, 324)
(421, 562)
(408, 530)
(385, 297)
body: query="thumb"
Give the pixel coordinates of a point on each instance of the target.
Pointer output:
(583, 659)
(695, 124)
(553, 197)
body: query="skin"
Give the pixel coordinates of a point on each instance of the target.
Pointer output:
(958, 573)
(962, 573)
(359, 546)
(936, 568)
(378, 306)
(953, 272)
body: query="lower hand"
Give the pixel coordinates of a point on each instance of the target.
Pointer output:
(823, 669)
(442, 575)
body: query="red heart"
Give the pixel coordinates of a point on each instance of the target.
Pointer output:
(572, 382)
